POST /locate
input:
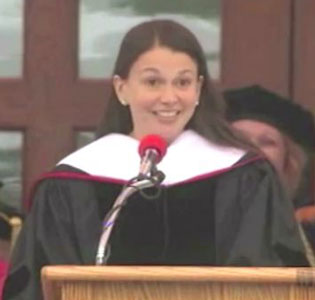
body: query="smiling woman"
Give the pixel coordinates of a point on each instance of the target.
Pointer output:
(220, 203)
(162, 91)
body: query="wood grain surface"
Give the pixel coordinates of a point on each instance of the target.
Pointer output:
(174, 283)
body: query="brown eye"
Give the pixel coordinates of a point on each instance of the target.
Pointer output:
(183, 82)
(152, 82)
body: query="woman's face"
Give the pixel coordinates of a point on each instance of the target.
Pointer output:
(267, 138)
(162, 91)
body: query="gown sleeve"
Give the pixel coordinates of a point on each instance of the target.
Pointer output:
(49, 223)
(256, 226)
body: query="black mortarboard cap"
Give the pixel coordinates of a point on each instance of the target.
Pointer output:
(257, 103)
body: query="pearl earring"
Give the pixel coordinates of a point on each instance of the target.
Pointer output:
(123, 102)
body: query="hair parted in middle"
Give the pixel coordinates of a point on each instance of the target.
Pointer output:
(208, 119)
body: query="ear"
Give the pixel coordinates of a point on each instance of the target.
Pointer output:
(199, 85)
(119, 87)
(296, 161)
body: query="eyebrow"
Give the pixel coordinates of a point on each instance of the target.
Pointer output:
(150, 69)
(154, 70)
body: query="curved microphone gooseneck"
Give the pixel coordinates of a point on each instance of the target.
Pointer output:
(152, 149)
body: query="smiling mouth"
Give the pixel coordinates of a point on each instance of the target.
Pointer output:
(167, 114)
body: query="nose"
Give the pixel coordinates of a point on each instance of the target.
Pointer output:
(169, 95)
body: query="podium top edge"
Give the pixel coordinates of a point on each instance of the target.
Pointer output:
(178, 273)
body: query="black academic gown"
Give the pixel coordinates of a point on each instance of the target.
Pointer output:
(233, 215)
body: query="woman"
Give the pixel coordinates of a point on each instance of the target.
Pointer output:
(219, 204)
(285, 133)
(280, 128)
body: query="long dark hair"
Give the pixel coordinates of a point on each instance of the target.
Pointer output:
(208, 119)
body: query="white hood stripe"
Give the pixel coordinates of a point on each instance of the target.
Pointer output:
(189, 156)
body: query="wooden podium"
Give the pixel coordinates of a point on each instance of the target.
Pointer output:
(180, 283)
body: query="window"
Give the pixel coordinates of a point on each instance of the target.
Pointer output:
(10, 169)
(104, 23)
(11, 27)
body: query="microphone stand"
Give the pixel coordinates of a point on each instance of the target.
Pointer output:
(109, 221)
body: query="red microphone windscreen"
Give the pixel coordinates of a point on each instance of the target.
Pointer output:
(155, 142)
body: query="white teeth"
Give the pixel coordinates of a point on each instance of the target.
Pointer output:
(167, 113)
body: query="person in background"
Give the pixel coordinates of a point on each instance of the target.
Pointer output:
(4, 243)
(215, 206)
(10, 224)
(285, 132)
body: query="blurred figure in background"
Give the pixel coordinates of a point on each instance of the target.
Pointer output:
(285, 133)
(10, 217)
(10, 224)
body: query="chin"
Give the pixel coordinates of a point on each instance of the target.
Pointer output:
(170, 136)
(167, 133)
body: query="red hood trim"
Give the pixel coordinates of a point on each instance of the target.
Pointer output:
(87, 177)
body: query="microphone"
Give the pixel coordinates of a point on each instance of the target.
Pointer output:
(152, 149)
